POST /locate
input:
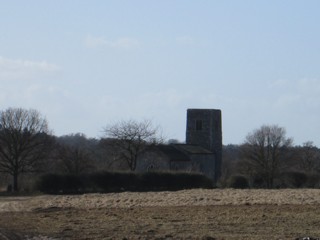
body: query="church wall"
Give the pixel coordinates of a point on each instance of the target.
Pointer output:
(152, 161)
(204, 164)
(184, 166)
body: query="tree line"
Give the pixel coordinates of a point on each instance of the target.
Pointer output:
(268, 159)
(28, 149)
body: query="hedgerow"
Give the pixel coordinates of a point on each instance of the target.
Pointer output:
(121, 181)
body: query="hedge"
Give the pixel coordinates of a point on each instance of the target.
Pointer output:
(238, 182)
(120, 181)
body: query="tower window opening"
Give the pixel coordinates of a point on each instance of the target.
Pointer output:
(198, 125)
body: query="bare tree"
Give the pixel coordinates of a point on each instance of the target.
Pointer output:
(75, 160)
(309, 157)
(24, 141)
(131, 138)
(75, 153)
(264, 152)
(109, 156)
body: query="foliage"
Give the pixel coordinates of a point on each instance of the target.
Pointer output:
(50, 183)
(121, 181)
(239, 182)
(293, 179)
(313, 180)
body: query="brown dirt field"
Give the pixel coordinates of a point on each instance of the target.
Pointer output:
(190, 214)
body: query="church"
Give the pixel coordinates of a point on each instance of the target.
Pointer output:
(202, 151)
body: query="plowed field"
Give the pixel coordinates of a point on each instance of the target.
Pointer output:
(189, 214)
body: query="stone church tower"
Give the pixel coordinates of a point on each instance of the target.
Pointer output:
(204, 129)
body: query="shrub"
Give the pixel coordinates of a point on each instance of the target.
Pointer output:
(113, 181)
(72, 183)
(158, 181)
(121, 181)
(239, 182)
(313, 181)
(61, 183)
(293, 179)
(49, 183)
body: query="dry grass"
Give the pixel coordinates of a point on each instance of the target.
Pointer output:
(190, 214)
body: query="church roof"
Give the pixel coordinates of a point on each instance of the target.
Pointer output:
(173, 153)
(180, 152)
(193, 149)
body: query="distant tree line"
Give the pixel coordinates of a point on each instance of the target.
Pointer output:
(28, 149)
(267, 159)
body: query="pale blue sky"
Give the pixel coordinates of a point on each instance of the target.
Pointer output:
(86, 64)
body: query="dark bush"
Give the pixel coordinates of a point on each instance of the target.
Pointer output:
(121, 181)
(58, 183)
(293, 179)
(49, 183)
(113, 181)
(72, 183)
(195, 181)
(238, 181)
(313, 181)
(258, 182)
(157, 181)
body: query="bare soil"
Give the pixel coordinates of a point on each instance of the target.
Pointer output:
(189, 214)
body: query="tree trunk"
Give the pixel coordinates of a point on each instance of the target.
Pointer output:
(15, 182)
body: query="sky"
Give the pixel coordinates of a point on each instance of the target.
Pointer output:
(87, 64)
